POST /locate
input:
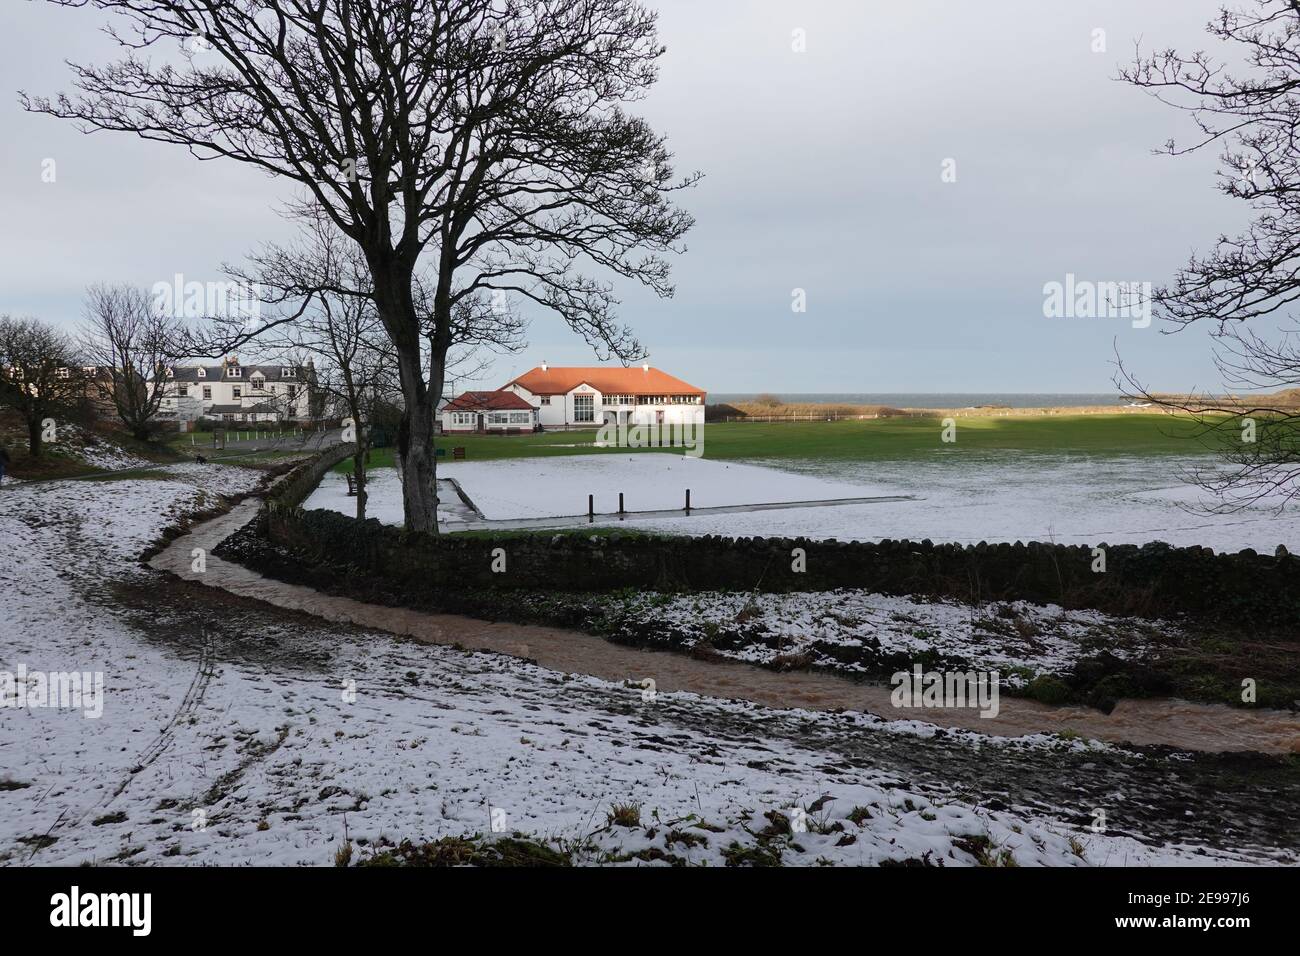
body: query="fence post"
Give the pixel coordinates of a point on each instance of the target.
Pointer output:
(620, 502)
(591, 508)
(688, 501)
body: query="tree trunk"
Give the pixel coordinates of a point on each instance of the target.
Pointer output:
(438, 345)
(359, 459)
(359, 477)
(34, 446)
(415, 453)
(415, 431)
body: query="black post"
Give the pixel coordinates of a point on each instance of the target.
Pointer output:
(620, 502)
(688, 501)
(591, 507)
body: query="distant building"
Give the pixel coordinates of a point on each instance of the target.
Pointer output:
(486, 412)
(231, 392)
(590, 397)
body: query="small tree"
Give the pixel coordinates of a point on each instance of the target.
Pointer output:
(40, 376)
(131, 342)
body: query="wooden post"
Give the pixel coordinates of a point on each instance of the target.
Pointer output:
(688, 501)
(591, 507)
(620, 502)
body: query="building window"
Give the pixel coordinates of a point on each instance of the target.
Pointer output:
(462, 418)
(288, 372)
(520, 418)
(258, 382)
(546, 399)
(584, 408)
(63, 373)
(236, 392)
(235, 372)
(498, 418)
(183, 391)
(292, 392)
(207, 393)
(203, 373)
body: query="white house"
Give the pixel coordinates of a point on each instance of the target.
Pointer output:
(498, 411)
(591, 397)
(238, 393)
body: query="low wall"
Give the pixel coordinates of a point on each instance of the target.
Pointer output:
(1246, 589)
(301, 481)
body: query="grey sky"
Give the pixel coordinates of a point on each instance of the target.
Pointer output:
(822, 173)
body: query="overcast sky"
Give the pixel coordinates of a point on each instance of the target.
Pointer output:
(823, 172)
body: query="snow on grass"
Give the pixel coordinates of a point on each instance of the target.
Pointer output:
(551, 487)
(960, 497)
(1017, 639)
(967, 497)
(203, 755)
(95, 450)
(383, 497)
(214, 478)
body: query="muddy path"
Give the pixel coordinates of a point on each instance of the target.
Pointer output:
(1217, 796)
(1234, 800)
(1170, 723)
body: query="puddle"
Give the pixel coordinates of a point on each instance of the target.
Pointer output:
(1174, 723)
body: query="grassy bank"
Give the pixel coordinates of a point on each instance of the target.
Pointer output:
(883, 439)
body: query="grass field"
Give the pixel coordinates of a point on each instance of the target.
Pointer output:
(881, 439)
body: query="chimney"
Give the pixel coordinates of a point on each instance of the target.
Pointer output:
(645, 367)
(544, 365)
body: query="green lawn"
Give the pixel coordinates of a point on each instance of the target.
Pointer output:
(881, 439)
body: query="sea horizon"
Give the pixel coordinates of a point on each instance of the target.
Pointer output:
(931, 399)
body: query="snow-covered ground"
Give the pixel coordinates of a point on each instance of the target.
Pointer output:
(1018, 640)
(232, 733)
(551, 487)
(93, 450)
(1069, 499)
(383, 498)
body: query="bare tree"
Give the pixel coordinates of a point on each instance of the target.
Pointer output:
(1250, 112)
(131, 342)
(323, 283)
(489, 136)
(336, 321)
(40, 375)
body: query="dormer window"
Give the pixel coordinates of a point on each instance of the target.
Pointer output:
(203, 373)
(258, 382)
(235, 372)
(287, 372)
(171, 373)
(64, 373)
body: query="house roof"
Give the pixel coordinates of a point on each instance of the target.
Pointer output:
(487, 402)
(608, 380)
(272, 373)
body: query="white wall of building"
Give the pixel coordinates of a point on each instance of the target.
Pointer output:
(561, 411)
(248, 391)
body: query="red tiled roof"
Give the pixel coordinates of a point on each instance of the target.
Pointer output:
(604, 379)
(487, 402)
